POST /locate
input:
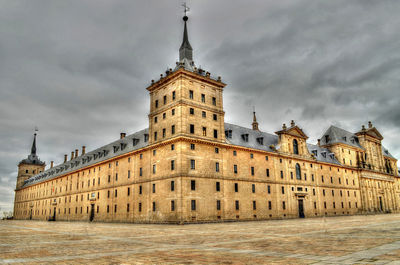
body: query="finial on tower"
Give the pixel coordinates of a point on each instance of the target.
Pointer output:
(33, 149)
(255, 123)
(185, 51)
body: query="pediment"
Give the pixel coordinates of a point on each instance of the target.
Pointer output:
(294, 131)
(373, 132)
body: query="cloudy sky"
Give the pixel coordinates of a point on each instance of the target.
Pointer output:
(78, 69)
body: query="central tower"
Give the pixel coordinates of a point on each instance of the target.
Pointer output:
(186, 101)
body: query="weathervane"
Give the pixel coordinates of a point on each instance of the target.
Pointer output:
(185, 7)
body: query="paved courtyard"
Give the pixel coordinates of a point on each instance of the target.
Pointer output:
(373, 239)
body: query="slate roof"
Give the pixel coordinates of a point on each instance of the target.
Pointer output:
(119, 147)
(338, 135)
(386, 152)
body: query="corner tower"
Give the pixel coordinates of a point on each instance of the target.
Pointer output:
(186, 101)
(29, 166)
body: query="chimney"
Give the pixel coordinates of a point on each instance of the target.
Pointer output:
(65, 158)
(122, 136)
(370, 124)
(76, 153)
(292, 124)
(51, 164)
(72, 155)
(83, 149)
(319, 142)
(284, 126)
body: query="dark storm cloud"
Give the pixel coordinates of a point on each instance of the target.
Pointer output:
(78, 69)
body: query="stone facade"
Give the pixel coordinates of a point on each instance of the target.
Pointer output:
(189, 167)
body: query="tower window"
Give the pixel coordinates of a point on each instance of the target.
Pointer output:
(204, 131)
(214, 101)
(215, 133)
(165, 100)
(203, 98)
(236, 187)
(192, 164)
(172, 164)
(214, 117)
(193, 204)
(156, 103)
(203, 114)
(172, 185)
(298, 172)
(173, 129)
(191, 111)
(173, 95)
(173, 112)
(237, 205)
(172, 206)
(164, 115)
(192, 128)
(217, 186)
(163, 132)
(155, 136)
(193, 185)
(191, 94)
(192, 146)
(216, 167)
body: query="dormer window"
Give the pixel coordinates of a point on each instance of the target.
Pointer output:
(260, 140)
(323, 154)
(245, 137)
(135, 141)
(326, 138)
(123, 145)
(315, 152)
(146, 137)
(332, 156)
(344, 138)
(228, 133)
(116, 148)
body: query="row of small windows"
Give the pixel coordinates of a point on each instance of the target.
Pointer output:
(191, 96)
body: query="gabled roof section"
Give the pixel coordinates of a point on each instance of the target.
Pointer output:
(129, 143)
(386, 152)
(336, 135)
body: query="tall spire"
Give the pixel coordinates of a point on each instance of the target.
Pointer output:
(33, 149)
(255, 123)
(185, 51)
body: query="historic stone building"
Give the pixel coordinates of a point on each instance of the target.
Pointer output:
(191, 166)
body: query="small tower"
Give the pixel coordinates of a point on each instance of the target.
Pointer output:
(29, 166)
(255, 123)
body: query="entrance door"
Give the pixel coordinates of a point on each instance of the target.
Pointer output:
(301, 209)
(380, 203)
(91, 213)
(54, 214)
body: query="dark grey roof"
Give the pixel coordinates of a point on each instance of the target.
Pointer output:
(386, 152)
(338, 135)
(119, 147)
(239, 134)
(32, 159)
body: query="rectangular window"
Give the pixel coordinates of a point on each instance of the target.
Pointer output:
(267, 172)
(108, 208)
(235, 169)
(252, 171)
(115, 208)
(129, 175)
(173, 95)
(191, 128)
(217, 186)
(127, 208)
(283, 190)
(203, 114)
(116, 176)
(214, 117)
(129, 191)
(115, 193)
(155, 119)
(218, 205)
(140, 189)
(165, 100)
(154, 206)
(156, 103)
(253, 188)
(173, 112)
(236, 187)
(154, 188)
(192, 146)
(191, 111)
(193, 204)
(216, 167)
(204, 131)
(193, 185)
(109, 178)
(163, 132)
(192, 164)
(155, 136)
(203, 98)
(216, 150)
(191, 94)
(172, 185)
(172, 164)
(172, 147)
(214, 101)
(154, 169)
(237, 205)
(269, 189)
(108, 194)
(173, 129)
(140, 171)
(215, 133)
(140, 207)
(172, 206)
(164, 115)
(312, 177)
(254, 205)
(269, 205)
(234, 153)
(283, 205)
